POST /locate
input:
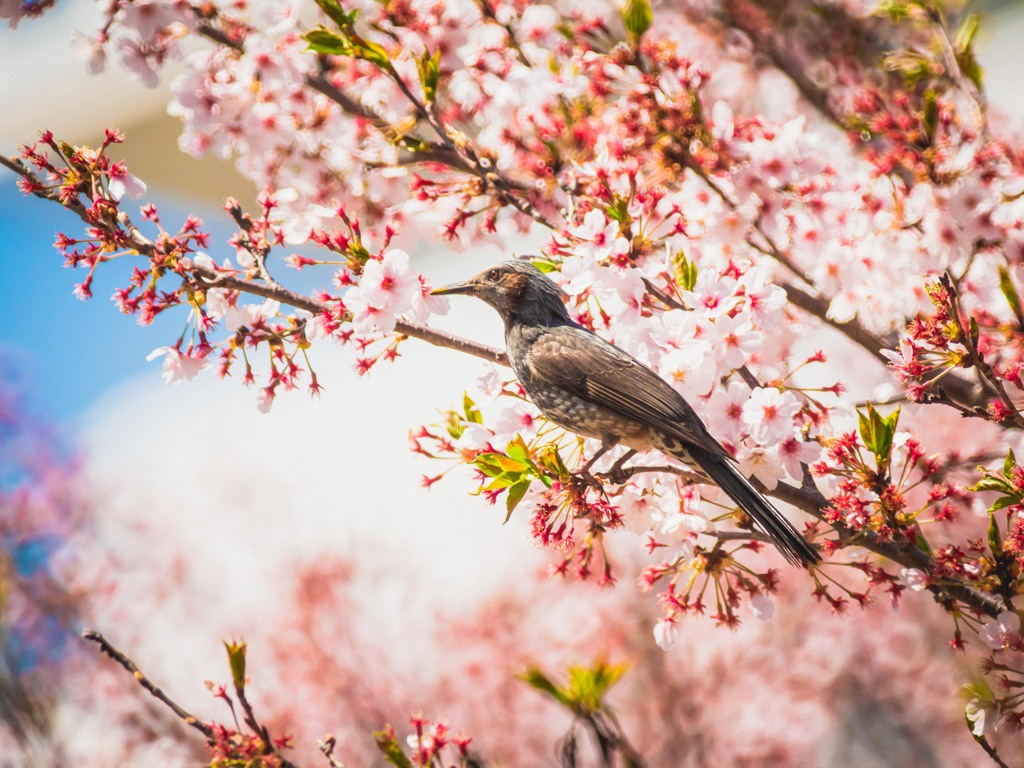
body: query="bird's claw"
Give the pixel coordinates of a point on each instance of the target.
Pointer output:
(616, 476)
(584, 477)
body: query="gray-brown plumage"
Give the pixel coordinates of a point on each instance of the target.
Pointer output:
(590, 387)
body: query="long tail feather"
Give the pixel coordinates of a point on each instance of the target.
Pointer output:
(793, 546)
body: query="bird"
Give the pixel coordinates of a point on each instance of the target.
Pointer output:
(589, 386)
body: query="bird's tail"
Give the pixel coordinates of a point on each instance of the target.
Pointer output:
(726, 476)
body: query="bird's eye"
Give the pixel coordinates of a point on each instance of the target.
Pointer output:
(493, 275)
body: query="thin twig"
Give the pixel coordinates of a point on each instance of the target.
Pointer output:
(327, 747)
(985, 371)
(661, 296)
(211, 277)
(130, 666)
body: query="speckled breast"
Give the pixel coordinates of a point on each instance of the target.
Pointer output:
(588, 419)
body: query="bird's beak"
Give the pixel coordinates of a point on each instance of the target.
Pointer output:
(467, 287)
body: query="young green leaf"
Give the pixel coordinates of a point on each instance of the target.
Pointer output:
(336, 13)
(236, 660)
(428, 68)
(636, 17)
(536, 679)
(324, 41)
(685, 271)
(391, 749)
(515, 495)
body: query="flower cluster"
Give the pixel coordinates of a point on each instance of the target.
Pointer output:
(701, 212)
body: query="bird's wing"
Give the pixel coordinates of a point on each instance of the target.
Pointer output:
(601, 373)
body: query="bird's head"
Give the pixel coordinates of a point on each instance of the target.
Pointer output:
(518, 290)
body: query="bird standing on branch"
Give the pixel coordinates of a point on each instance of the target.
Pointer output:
(590, 387)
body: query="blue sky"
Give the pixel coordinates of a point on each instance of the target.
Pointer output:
(67, 352)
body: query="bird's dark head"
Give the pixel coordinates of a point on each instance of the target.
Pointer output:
(519, 291)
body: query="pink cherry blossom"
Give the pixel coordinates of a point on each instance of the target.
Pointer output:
(1001, 632)
(178, 367)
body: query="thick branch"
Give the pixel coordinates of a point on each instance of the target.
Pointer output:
(810, 500)
(966, 392)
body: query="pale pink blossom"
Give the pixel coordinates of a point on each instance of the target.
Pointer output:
(762, 463)
(984, 716)
(1001, 632)
(769, 414)
(913, 578)
(736, 340)
(122, 183)
(475, 437)
(666, 633)
(794, 453)
(762, 607)
(178, 367)
(386, 290)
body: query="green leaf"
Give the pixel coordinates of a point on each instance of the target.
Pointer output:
(518, 450)
(685, 271)
(964, 49)
(992, 483)
(337, 14)
(324, 41)
(618, 209)
(922, 543)
(866, 429)
(236, 660)
(1009, 291)
(391, 749)
(1003, 502)
(469, 409)
(504, 480)
(930, 116)
(551, 460)
(588, 685)
(488, 464)
(878, 432)
(913, 66)
(896, 10)
(536, 679)
(545, 266)
(995, 543)
(367, 50)
(637, 17)
(515, 495)
(1009, 464)
(428, 68)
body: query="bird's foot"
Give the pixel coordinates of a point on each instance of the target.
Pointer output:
(617, 474)
(584, 478)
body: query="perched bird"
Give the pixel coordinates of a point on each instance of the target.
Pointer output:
(591, 387)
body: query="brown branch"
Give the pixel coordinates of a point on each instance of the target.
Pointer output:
(740, 536)
(211, 277)
(810, 500)
(852, 329)
(662, 296)
(985, 371)
(163, 698)
(327, 747)
(958, 388)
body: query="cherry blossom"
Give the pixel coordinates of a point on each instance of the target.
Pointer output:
(178, 367)
(782, 244)
(1004, 631)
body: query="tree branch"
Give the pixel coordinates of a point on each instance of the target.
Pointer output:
(810, 500)
(129, 665)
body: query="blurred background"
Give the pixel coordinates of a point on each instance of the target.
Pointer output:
(175, 516)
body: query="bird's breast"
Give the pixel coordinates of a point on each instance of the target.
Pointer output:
(588, 419)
